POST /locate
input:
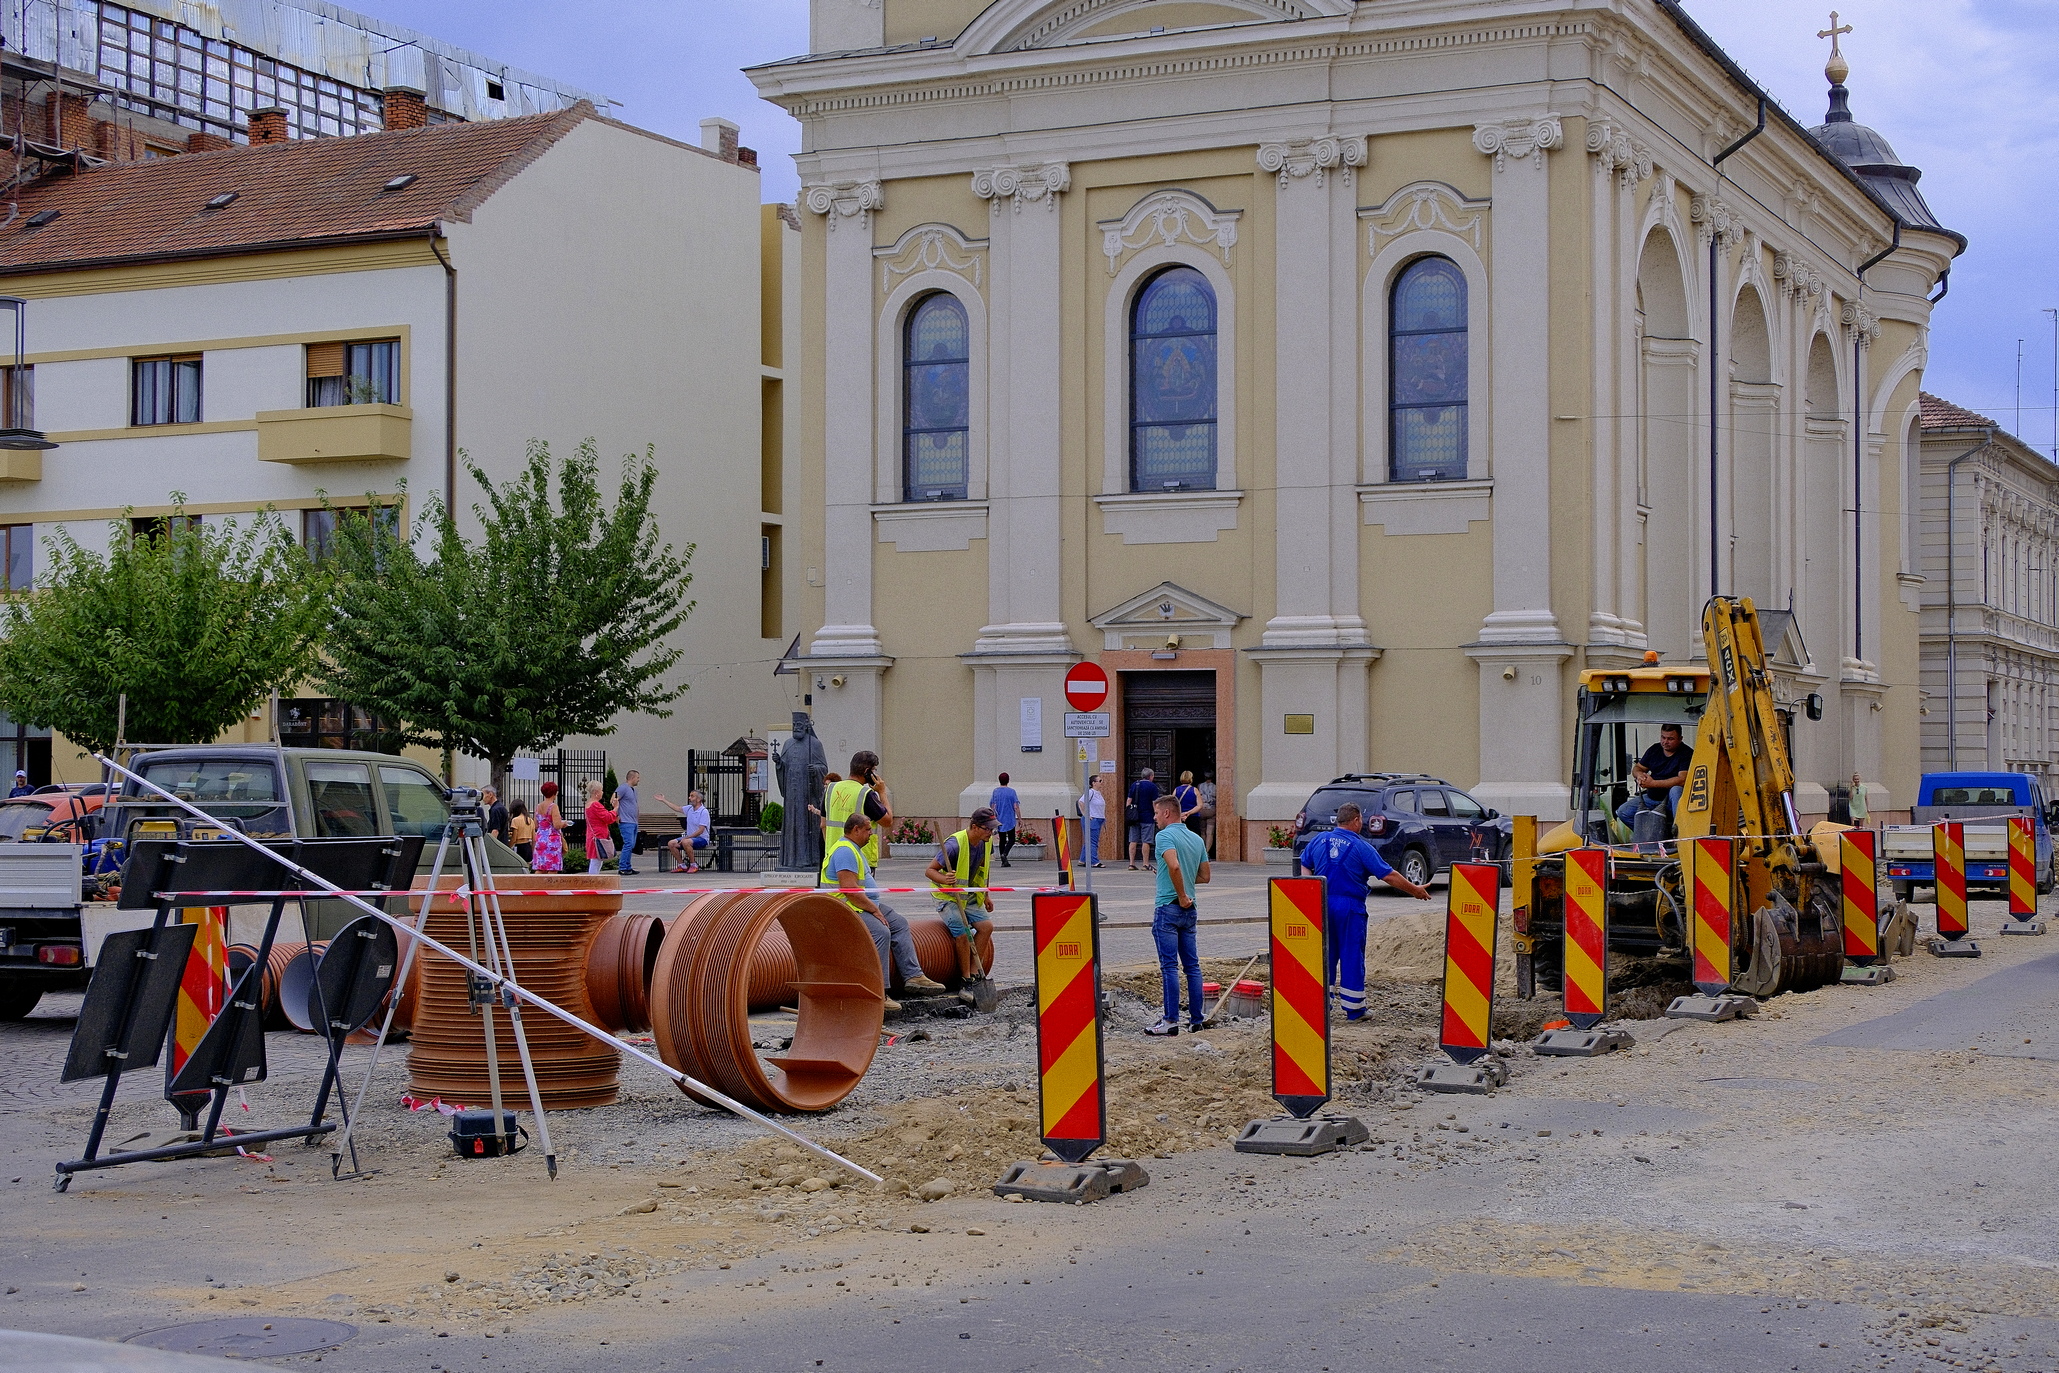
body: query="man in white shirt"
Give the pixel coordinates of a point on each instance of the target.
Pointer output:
(695, 832)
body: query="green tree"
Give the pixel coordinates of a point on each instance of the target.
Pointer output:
(195, 623)
(552, 623)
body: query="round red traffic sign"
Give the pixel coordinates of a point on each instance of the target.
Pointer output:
(1086, 687)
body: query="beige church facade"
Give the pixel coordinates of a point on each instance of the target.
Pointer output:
(1337, 376)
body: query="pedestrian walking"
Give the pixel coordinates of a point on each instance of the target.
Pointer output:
(846, 871)
(629, 806)
(1189, 799)
(1182, 869)
(599, 847)
(958, 879)
(496, 813)
(1349, 865)
(1139, 812)
(550, 832)
(1205, 817)
(522, 831)
(1094, 810)
(1007, 808)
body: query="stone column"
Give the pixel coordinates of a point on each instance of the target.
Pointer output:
(1615, 627)
(1023, 650)
(1315, 656)
(847, 645)
(1521, 648)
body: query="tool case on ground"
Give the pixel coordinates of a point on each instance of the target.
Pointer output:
(473, 1135)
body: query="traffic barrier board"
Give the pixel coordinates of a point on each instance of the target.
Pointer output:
(1471, 916)
(1587, 936)
(203, 990)
(1858, 879)
(2023, 869)
(1072, 1100)
(1301, 996)
(1713, 898)
(1948, 855)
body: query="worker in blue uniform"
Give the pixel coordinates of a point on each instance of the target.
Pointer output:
(1349, 864)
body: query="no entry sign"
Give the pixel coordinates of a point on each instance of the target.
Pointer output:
(1086, 687)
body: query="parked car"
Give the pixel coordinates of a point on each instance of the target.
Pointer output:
(1421, 825)
(51, 816)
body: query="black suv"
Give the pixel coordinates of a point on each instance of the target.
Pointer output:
(1421, 825)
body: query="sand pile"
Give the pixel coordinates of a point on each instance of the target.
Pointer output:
(1410, 948)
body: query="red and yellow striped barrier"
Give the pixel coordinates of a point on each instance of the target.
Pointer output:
(1301, 996)
(203, 990)
(1070, 1093)
(1587, 936)
(1712, 898)
(2023, 869)
(1859, 880)
(1948, 856)
(1470, 922)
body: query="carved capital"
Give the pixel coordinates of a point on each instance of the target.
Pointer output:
(1313, 157)
(1616, 151)
(838, 200)
(1715, 219)
(1519, 138)
(1041, 184)
(1864, 324)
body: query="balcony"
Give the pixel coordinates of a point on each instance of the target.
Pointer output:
(19, 466)
(335, 433)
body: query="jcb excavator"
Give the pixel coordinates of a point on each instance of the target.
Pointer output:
(1788, 935)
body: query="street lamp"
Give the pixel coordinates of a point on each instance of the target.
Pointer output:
(16, 435)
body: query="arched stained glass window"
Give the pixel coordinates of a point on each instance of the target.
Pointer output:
(936, 362)
(1427, 373)
(1172, 383)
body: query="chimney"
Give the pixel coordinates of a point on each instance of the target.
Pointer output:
(69, 124)
(207, 142)
(403, 107)
(718, 136)
(747, 157)
(268, 125)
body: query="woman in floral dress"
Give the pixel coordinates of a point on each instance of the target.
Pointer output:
(550, 832)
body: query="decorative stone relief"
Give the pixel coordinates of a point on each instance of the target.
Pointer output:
(838, 200)
(1715, 217)
(1797, 278)
(1043, 184)
(1425, 205)
(932, 248)
(1294, 161)
(1616, 151)
(1169, 218)
(1865, 325)
(1519, 138)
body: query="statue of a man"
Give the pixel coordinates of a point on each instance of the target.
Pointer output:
(803, 766)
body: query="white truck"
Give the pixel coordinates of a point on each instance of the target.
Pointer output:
(1983, 802)
(50, 936)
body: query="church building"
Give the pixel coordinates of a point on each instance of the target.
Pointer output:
(1342, 378)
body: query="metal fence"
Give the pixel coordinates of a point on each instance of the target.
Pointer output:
(570, 769)
(720, 779)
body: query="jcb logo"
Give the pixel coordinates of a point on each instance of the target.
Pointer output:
(1698, 789)
(1068, 949)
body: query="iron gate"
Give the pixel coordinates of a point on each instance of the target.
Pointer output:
(720, 778)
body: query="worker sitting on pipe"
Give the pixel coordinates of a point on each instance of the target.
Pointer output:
(958, 878)
(844, 868)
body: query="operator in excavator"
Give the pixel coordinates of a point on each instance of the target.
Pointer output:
(1659, 775)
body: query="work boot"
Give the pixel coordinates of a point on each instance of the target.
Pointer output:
(890, 1003)
(923, 986)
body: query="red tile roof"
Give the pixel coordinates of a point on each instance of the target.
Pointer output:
(1939, 413)
(301, 194)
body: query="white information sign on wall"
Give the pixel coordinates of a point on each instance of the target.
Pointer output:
(1032, 724)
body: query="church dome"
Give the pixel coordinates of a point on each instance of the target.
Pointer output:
(1871, 158)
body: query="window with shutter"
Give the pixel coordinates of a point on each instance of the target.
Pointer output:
(364, 373)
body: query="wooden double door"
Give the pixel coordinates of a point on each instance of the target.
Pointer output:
(1168, 725)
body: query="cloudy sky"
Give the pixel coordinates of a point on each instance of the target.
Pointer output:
(1960, 87)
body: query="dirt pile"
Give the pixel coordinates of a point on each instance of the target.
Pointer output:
(1410, 948)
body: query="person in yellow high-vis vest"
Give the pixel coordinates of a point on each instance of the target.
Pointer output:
(846, 870)
(958, 879)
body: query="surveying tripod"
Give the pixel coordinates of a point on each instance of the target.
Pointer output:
(483, 923)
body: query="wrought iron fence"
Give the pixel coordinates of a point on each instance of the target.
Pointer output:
(720, 779)
(571, 769)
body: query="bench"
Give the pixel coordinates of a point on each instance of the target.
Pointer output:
(758, 851)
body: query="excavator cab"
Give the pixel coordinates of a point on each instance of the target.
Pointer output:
(1620, 716)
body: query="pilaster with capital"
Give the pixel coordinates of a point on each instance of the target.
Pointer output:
(1615, 627)
(1521, 763)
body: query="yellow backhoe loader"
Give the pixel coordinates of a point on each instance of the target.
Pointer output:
(1788, 932)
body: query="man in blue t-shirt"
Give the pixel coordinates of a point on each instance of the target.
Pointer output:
(1007, 807)
(1182, 869)
(1143, 805)
(1349, 864)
